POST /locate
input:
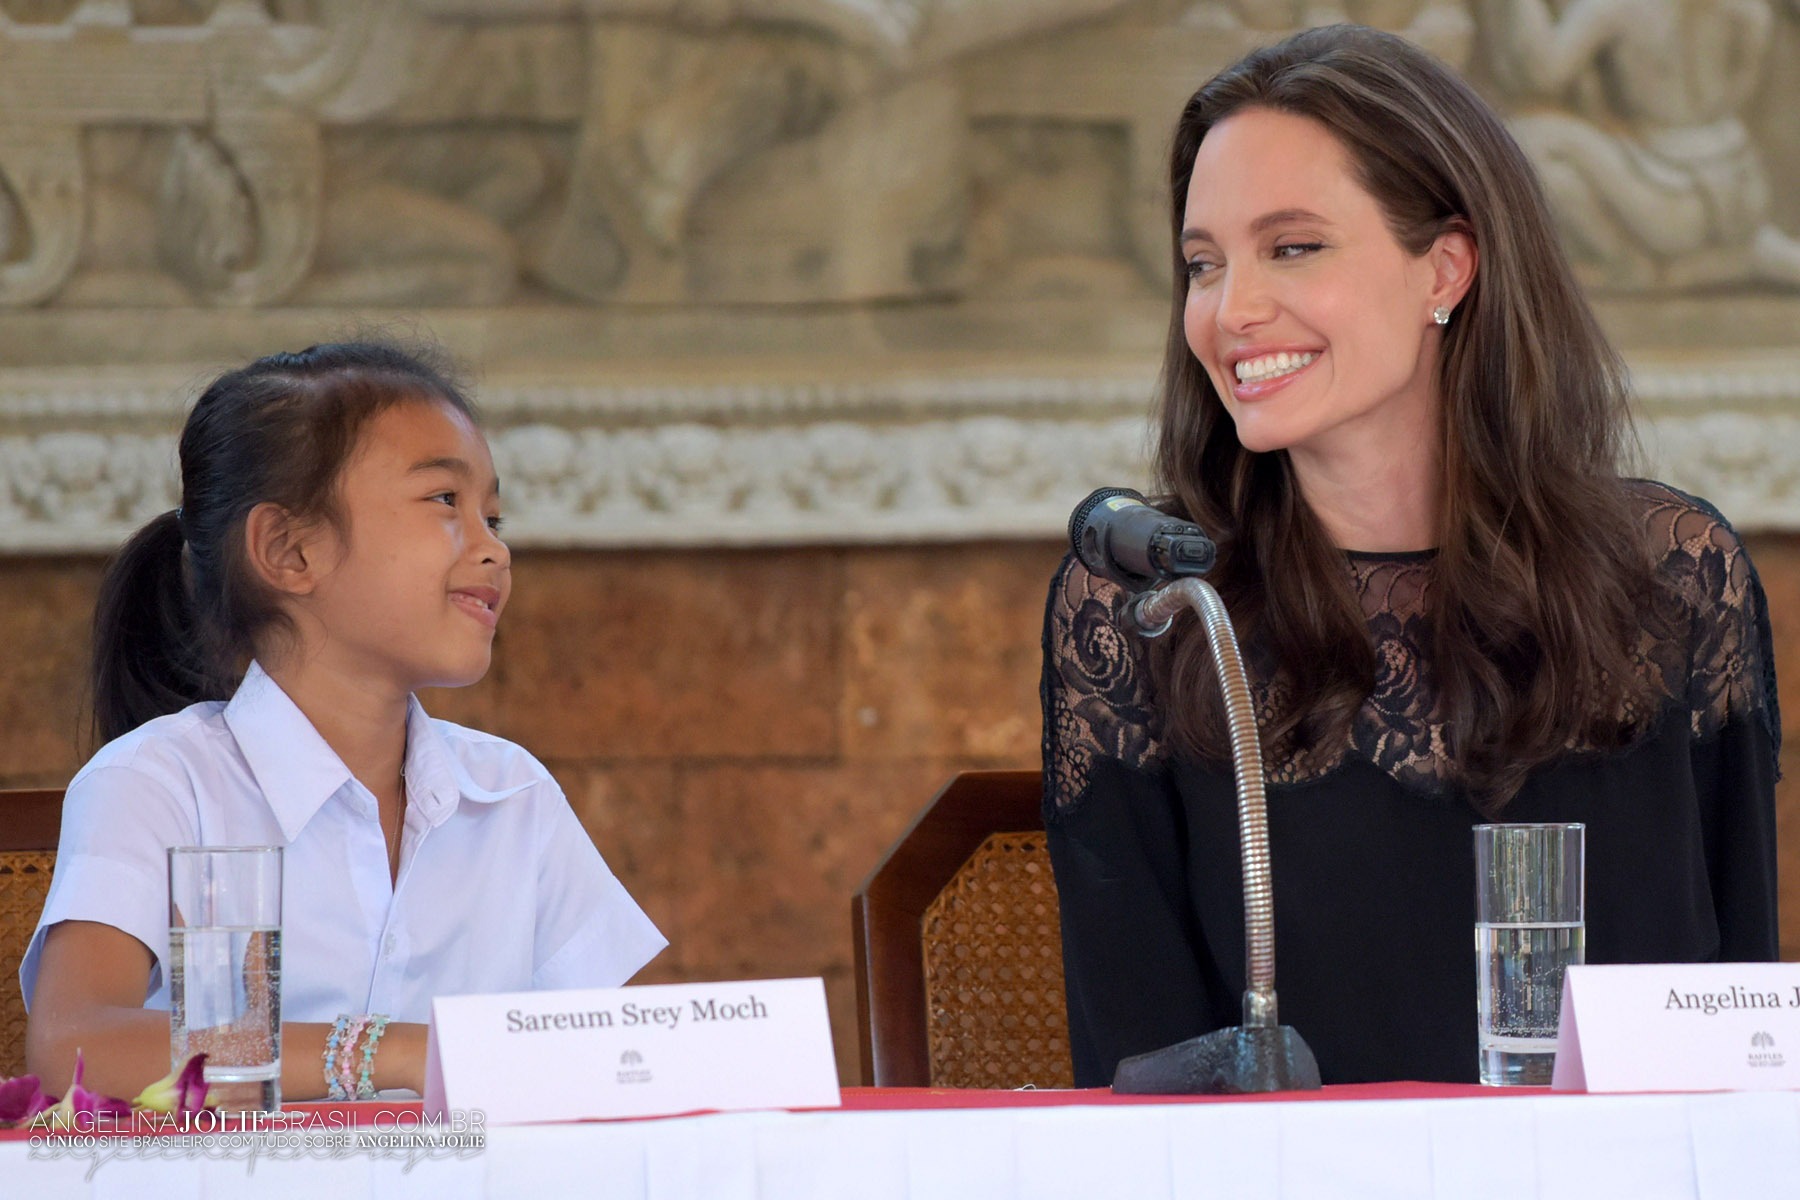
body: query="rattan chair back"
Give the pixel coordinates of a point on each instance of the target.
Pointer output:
(958, 946)
(29, 824)
(992, 941)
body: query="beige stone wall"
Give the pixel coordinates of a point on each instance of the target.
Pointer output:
(745, 733)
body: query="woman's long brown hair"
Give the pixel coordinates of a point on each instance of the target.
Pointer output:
(1540, 560)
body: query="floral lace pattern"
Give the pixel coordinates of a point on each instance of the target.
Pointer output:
(1097, 690)
(1704, 645)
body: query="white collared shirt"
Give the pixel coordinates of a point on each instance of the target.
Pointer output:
(499, 889)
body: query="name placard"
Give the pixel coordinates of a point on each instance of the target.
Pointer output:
(1679, 1027)
(646, 1051)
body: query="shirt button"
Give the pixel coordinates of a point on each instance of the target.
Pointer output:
(388, 944)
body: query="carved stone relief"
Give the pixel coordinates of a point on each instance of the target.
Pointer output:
(1633, 111)
(749, 151)
(84, 461)
(1443, 27)
(470, 152)
(790, 189)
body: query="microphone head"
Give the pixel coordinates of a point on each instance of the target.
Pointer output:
(1120, 536)
(1080, 519)
(1085, 535)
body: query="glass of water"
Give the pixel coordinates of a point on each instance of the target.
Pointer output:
(1530, 885)
(225, 970)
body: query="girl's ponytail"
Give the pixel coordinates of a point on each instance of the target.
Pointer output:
(147, 660)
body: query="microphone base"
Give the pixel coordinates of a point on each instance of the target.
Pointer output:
(1225, 1062)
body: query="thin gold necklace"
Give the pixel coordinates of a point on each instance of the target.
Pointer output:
(393, 839)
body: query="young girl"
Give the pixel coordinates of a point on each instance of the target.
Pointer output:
(256, 652)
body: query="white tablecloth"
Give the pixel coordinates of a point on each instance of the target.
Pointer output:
(1720, 1147)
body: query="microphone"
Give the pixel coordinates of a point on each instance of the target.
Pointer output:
(1118, 536)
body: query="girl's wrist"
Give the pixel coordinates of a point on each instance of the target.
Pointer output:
(400, 1062)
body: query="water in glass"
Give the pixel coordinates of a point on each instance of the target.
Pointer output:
(1519, 997)
(225, 982)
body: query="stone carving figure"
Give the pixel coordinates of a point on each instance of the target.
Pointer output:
(776, 150)
(151, 163)
(1443, 27)
(386, 237)
(43, 189)
(238, 216)
(1654, 177)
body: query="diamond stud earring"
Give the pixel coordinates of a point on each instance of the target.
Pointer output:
(1441, 315)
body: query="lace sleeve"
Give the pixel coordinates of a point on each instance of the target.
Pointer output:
(1730, 667)
(1096, 691)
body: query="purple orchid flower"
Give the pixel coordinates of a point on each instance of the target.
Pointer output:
(82, 1109)
(179, 1093)
(21, 1098)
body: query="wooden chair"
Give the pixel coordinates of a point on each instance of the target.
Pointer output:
(959, 979)
(29, 824)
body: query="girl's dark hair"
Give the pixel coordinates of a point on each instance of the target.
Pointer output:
(180, 611)
(1540, 559)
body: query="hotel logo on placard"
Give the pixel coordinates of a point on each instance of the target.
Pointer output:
(631, 1068)
(1763, 1052)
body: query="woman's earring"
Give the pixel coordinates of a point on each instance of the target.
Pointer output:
(1441, 315)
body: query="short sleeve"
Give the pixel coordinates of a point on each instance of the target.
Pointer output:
(589, 931)
(1095, 688)
(112, 863)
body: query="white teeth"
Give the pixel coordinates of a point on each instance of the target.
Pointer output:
(1255, 370)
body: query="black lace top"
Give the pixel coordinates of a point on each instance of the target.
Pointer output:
(1371, 844)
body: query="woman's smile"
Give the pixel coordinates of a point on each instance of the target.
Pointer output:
(1263, 374)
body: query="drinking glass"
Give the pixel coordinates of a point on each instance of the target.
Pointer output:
(225, 970)
(1529, 927)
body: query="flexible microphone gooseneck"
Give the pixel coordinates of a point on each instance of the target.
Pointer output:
(1117, 536)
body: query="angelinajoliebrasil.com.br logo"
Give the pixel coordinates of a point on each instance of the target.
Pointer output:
(406, 1137)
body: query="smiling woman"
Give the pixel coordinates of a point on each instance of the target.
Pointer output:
(256, 652)
(1386, 400)
(1313, 323)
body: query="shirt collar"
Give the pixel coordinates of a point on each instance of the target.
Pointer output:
(295, 768)
(436, 779)
(298, 771)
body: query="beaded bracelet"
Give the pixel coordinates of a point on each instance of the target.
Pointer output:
(346, 1061)
(365, 1086)
(334, 1089)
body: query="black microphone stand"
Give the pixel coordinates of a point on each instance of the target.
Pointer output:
(1261, 1055)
